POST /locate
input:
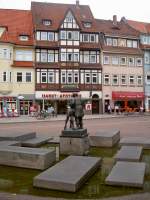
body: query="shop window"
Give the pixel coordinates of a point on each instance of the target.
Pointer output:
(106, 79)
(123, 80)
(106, 60)
(131, 61)
(123, 60)
(115, 60)
(139, 81)
(115, 80)
(139, 61)
(131, 80)
(19, 76)
(28, 76)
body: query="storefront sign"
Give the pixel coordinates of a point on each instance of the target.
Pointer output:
(88, 106)
(127, 95)
(58, 96)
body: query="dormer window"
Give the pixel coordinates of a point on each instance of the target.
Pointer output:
(24, 37)
(87, 24)
(47, 22)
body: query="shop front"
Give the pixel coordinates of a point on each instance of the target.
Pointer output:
(128, 101)
(25, 102)
(60, 100)
(8, 105)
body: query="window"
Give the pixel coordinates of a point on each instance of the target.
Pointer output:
(131, 61)
(115, 42)
(94, 78)
(87, 77)
(63, 35)
(71, 55)
(50, 76)
(148, 79)
(76, 35)
(43, 55)
(115, 79)
(123, 60)
(69, 35)
(69, 77)
(44, 76)
(93, 58)
(146, 58)
(139, 80)
(115, 60)
(24, 55)
(4, 78)
(109, 41)
(123, 79)
(47, 22)
(129, 43)
(106, 79)
(43, 35)
(122, 42)
(135, 44)
(106, 60)
(139, 61)
(87, 24)
(24, 37)
(63, 76)
(85, 37)
(5, 53)
(28, 76)
(76, 77)
(92, 38)
(131, 80)
(19, 76)
(50, 36)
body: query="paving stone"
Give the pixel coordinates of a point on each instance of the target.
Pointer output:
(35, 142)
(135, 141)
(69, 174)
(17, 136)
(105, 138)
(34, 158)
(10, 143)
(129, 153)
(127, 174)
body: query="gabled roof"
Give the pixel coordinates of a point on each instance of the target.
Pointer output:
(122, 29)
(142, 27)
(57, 12)
(17, 22)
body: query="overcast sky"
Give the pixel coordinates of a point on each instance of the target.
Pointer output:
(102, 9)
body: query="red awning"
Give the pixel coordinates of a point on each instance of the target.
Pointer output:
(127, 95)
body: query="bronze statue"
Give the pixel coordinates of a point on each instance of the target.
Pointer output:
(75, 113)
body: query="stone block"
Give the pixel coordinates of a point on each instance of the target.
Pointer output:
(69, 174)
(35, 142)
(135, 141)
(17, 136)
(74, 142)
(105, 138)
(54, 140)
(127, 174)
(10, 143)
(129, 153)
(34, 158)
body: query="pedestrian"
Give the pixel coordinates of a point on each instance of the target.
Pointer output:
(109, 108)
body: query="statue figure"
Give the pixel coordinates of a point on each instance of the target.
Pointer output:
(75, 112)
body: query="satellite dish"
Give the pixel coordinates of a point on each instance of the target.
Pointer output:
(20, 97)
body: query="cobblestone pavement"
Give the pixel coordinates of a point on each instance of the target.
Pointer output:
(6, 196)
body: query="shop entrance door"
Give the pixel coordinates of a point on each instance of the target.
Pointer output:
(95, 104)
(25, 107)
(62, 107)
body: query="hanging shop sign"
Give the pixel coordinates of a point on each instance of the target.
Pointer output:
(88, 107)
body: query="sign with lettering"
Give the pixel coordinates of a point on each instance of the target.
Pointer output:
(88, 106)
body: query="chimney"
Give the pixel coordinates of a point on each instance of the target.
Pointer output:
(77, 3)
(115, 20)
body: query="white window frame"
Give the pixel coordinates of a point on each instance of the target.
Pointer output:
(44, 72)
(121, 63)
(27, 74)
(131, 64)
(137, 64)
(123, 77)
(139, 77)
(115, 76)
(115, 60)
(51, 75)
(106, 76)
(133, 78)
(108, 60)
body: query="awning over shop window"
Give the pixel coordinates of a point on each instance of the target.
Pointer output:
(127, 95)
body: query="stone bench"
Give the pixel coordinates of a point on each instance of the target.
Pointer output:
(105, 138)
(129, 153)
(36, 142)
(127, 174)
(35, 158)
(17, 136)
(69, 174)
(135, 141)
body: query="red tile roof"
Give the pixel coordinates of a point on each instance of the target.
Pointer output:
(142, 27)
(57, 12)
(122, 29)
(17, 22)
